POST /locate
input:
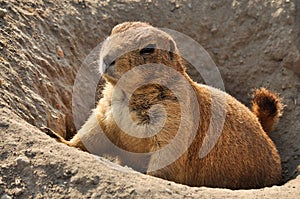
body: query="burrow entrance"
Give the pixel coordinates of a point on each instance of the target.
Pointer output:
(49, 49)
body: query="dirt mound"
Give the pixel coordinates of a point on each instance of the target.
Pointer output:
(44, 43)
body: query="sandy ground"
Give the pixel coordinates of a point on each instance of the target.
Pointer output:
(44, 43)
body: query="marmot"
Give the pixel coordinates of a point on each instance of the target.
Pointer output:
(243, 156)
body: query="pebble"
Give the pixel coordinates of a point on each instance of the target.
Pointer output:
(3, 12)
(59, 52)
(5, 196)
(22, 162)
(168, 191)
(213, 6)
(214, 29)
(18, 181)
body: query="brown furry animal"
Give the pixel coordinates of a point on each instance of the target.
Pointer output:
(241, 156)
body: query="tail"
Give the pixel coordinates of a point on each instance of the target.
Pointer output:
(267, 107)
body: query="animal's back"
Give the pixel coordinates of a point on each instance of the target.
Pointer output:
(241, 156)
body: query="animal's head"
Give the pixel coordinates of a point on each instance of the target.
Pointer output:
(133, 44)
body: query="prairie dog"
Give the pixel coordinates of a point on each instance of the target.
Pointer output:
(243, 156)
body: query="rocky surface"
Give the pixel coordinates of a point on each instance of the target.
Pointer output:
(44, 43)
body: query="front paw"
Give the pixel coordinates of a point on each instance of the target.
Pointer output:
(49, 132)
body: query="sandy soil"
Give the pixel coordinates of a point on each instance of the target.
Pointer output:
(43, 44)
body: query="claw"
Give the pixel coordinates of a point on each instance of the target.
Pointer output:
(49, 132)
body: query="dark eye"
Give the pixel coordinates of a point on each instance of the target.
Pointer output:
(108, 61)
(149, 49)
(112, 63)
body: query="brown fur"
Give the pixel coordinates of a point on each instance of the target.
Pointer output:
(243, 157)
(267, 107)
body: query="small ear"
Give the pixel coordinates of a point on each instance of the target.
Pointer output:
(172, 49)
(175, 56)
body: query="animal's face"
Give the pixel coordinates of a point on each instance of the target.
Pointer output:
(137, 46)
